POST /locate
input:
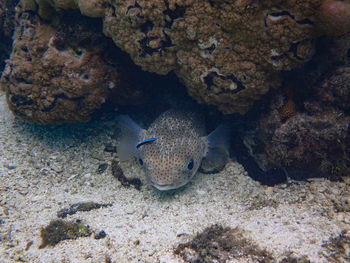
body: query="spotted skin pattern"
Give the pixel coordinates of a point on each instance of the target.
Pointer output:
(174, 158)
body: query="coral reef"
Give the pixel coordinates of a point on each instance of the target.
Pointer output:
(62, 73)
(315, 140)
(227, 53)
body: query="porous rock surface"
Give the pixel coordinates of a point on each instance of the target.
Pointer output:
(58, 72)
(228, 53)
(314, 139)
(334, 17)
(7, 24)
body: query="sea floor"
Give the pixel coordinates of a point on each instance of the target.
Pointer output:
(46, 169)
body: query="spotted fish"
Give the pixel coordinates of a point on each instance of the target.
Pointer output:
(172, 148)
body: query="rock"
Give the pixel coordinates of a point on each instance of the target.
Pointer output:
(57, 73)
(334, 17)
(227, 54)
(7, 25)
(314, 142)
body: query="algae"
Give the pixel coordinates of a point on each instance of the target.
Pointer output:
(59, 230)
(224, 244)
(220, 244)
(84, 206)
(126, 182)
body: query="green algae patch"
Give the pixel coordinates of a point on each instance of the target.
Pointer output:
(59, 230)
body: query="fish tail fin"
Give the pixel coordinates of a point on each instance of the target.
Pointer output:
(129, 136)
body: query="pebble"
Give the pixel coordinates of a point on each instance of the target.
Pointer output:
(57, 167)
(11, 166)
(101, 234)
(110, 148)
(102, 167)
(130, 210)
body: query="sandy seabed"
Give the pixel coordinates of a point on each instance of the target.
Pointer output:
(45, 169)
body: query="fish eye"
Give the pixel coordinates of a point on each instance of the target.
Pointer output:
(190, 165)
(141, 161)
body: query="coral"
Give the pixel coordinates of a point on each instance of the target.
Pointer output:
(227, 53)
(59, 73)
(334, 17)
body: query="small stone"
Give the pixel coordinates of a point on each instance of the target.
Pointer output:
(101, 234)
(102, 167)
(11, 166)
(130, 210)
(57, 167)
(110, 148)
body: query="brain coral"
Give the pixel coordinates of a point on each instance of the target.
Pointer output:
(59, 73)
(228, 53)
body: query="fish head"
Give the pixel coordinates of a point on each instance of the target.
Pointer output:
(170, 164)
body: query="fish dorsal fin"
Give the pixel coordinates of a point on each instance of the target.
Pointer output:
(129, 135)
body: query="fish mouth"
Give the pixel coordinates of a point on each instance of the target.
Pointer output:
(165, 187)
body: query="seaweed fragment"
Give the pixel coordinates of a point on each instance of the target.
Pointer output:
(84, 206)
(59, 230)
(291, 259)
(118, 173)
(220, 244)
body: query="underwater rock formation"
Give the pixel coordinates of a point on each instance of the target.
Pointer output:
(334, 17)
(228, 54)
(58, 72)
(315, 140)
(7, 25)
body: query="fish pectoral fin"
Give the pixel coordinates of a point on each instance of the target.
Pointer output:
(220, 137)
(128, 137)
(214, 161)
(217, 149)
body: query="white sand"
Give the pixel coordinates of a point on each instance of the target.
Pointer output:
(45, 169)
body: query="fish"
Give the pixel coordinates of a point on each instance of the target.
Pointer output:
(172, 148)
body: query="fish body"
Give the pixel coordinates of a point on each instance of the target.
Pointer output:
(172, 148)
